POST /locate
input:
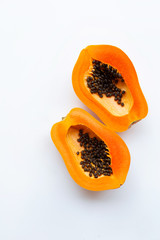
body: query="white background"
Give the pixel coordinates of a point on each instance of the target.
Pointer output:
(40, 41)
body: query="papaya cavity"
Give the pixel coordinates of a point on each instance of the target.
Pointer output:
(108, 87)
(90, 151)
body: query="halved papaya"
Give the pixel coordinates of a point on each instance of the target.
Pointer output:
(105, 79)
(95, 156)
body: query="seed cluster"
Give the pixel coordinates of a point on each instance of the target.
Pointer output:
(95, 156)
(103, 80)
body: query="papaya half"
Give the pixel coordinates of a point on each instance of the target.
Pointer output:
(105, 80)
(95, 156)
